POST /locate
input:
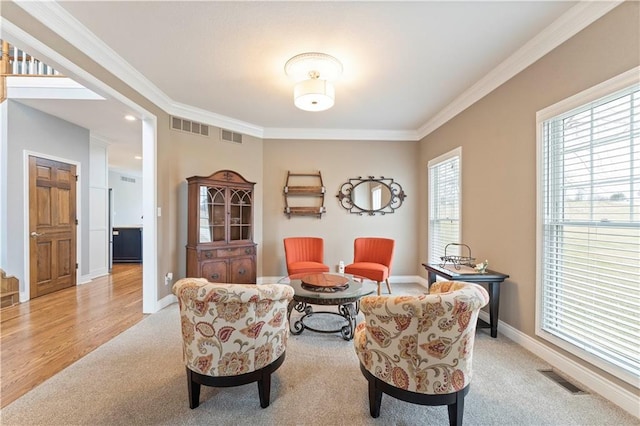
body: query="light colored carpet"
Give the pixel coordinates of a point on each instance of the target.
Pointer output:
(138, 379)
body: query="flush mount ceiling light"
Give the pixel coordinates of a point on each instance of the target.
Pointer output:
(313, 73)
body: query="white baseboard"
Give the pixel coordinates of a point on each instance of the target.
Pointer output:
(408, 279)
(594, 382)
(99, 273)
(165, 301)
(83, 279)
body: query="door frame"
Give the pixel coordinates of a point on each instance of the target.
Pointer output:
(25, 293)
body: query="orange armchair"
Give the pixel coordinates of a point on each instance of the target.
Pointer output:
(372, 259)
(304, 254)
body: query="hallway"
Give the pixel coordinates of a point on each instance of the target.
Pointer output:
(41, 337)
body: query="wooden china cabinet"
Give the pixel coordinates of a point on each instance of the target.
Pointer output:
(220, 243)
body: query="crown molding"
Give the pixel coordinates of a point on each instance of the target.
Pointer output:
(566, 26)
(570, 23)
(340, 134)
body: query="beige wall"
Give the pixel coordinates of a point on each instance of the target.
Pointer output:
(498, 140)
(191, 155)
(338, 161)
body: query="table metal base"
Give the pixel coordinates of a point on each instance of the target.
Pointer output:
(347, 311)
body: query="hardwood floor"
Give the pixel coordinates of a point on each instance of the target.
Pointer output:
(41, 337)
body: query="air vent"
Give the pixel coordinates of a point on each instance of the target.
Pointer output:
(229, 136)
(562, 382)
(127, 179)
(183, 125)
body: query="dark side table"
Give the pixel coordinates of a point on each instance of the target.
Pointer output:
(492, 278)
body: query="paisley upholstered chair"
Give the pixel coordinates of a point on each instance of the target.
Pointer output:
(419, 349)
(304, 254)
(372, 259)
(232, 334)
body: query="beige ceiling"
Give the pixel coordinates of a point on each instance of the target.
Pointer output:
(223, 62)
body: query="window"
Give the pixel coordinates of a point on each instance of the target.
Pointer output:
(444, 203)
(589, 226)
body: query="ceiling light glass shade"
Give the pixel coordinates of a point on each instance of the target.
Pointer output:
(314, 95)
(313, 72)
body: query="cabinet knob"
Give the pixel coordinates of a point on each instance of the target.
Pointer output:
(215, 276)
(247, 251)
(241, 271)
(208, 255)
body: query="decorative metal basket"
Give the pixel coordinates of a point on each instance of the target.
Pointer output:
(457, 260)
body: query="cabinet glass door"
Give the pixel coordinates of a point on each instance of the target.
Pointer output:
(212, 214)
(240, 208)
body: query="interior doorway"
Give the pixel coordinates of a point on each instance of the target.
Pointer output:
(40, 49)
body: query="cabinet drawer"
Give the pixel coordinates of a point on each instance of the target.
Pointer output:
(226, 252)
(207, 254)
(234, 252)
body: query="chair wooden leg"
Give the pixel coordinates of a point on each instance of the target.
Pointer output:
(378, 288)
(375, 399)
(388, 286)
(456, 410)
(264, 389)
(194, 390)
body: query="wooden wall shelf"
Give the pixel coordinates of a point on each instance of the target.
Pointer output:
(312, 195)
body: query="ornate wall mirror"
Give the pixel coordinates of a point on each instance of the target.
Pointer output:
(371, 195)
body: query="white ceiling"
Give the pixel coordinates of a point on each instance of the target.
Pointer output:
(222, 63)
(106, 121)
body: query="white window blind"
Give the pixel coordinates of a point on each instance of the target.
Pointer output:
(444, 204)
(590, 232)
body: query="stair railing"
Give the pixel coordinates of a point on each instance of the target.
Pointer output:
(17, 62)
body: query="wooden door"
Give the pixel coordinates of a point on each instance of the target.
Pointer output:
(52, 225)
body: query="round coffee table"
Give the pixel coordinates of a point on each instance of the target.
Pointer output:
(341, 290)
